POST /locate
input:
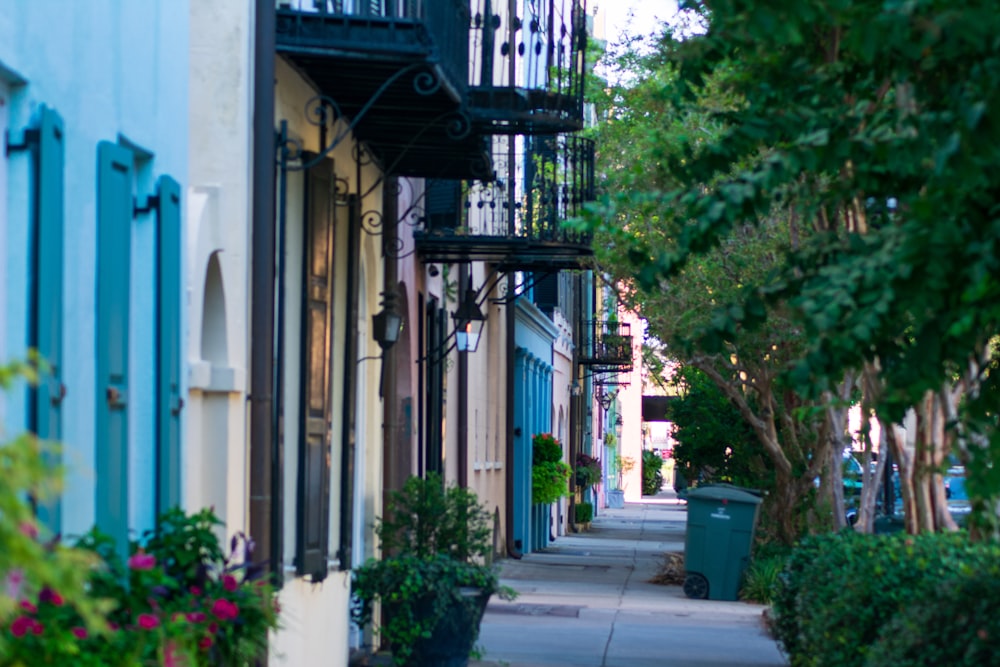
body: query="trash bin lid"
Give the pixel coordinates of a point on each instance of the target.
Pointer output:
(724, 492)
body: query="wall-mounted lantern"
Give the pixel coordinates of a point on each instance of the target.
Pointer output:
(606, 398)
(387, 324)
(469, 321)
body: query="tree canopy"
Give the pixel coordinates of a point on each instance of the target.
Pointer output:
(848, 150)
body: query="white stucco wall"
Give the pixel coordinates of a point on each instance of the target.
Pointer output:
(218, 232)
(115, 71)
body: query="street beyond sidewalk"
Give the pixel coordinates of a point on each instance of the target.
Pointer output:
(586, 601)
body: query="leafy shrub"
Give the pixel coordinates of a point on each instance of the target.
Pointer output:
(584, 512)
(957, 626)
(425, 519)
(762, 579)
(838, 592)
(652, 478)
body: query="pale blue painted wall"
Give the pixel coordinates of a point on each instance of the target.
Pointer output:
(115, 70)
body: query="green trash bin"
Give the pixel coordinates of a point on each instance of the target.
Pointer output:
(720, 526)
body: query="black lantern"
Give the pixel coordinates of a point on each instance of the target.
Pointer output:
(468, 323)
(386, 325)
(606, 399)
(618, 421)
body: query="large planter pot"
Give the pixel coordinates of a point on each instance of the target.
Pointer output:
(455, 634)
(616, 499)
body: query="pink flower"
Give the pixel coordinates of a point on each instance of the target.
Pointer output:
(29, 529)
(142, 561)
(28, 607)
(79, 632)
(205, 643)
(50, 596)
(148, 621)
(195, 591)
(224, 609)
(13, 583)
(229, 583)
(21, 625)
(213, 628)
(195, 617)
(37, 628)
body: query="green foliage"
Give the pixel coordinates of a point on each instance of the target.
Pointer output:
(584, 512)
(652, 478)
(762, 578)
(714, 442)
(426, 518)
(864, 132)
(840, 594)
(588, 470)
(435, 578)
(958, 625)
(549, 474)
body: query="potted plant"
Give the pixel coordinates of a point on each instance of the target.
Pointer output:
(549, 475)
(583, 515)
(435, 577)
(588, 470)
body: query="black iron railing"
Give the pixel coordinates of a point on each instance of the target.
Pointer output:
(547, 183)
(527, 68)
(438, 28)
(606, 346)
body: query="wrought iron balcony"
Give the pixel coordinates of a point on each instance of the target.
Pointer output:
(514, 220)
(606, 346)
(399, 70)
(528, 66)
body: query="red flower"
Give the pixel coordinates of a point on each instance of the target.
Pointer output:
(224, 609)
(50, 596)
(37, 628)
(79, 632)
(213, 628)
(195, 591)
(229, 583)
(195, 617)
(148, 621)
(205, 643)
(21, 625)
(28, 607)
(142, 561)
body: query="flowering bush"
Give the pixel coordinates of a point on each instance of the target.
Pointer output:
(549, 475)
(176, 601)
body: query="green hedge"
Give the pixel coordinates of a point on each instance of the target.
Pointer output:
(841, 594)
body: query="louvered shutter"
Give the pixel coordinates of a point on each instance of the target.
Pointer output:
(316, 425)
(114, 240)
(168, 347)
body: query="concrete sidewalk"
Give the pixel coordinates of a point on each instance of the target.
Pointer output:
(586, 602)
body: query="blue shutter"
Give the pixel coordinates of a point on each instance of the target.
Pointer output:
(313, 534)
(168, 346)
(114, 246)
(49, 214)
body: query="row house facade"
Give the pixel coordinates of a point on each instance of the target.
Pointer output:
(92, 249)
(283, 255)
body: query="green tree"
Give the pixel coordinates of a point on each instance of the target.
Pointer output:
(871, 128)
(714, 442)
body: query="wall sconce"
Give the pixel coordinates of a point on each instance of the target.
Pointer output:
(469, 321)
(618, 421)
(575, 389)
(606, 398)
(386, 326)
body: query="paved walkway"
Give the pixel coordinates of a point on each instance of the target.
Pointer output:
(586, 602)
